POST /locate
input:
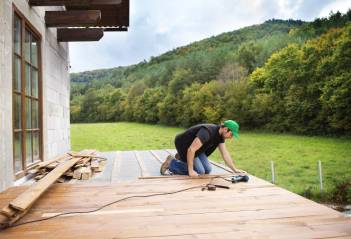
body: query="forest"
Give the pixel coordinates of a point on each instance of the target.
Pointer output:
(281, 76)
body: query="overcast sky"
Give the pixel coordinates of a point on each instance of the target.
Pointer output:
(157, 26)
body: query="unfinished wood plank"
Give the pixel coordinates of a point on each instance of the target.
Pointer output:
(25, 200)
(218, 212)
(52, 165)
(156, 156)
(256, 209)
(77, 173)
(96, 166)
(43, 164)
(75, 154)
(60, 180)
(69, 173)
(7, 214)
(210, 176)
(116, 167)
(221, 166)
(86, 173)
(38, 177)
(84, 161)
(59, 158)
(143, 170)
(7, 211)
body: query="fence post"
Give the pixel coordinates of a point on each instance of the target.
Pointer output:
(320, 175)
(273, 173)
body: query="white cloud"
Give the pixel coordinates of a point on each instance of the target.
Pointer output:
(157, 26)
(341, 6)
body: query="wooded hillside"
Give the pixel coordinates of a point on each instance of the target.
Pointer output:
(287, 76)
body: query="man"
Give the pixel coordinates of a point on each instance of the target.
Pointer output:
(197, 143)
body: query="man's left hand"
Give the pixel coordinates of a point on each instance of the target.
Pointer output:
(240, 171)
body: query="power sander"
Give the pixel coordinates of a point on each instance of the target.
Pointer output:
(240, 178)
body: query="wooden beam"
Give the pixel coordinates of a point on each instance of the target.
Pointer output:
(111, 15)
(79, 34)
(77, 3)
(75, 18)
(115, 16)
(27, 198)
(115, 29)
(105, 2)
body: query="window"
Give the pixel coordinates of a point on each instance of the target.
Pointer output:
(26, 96)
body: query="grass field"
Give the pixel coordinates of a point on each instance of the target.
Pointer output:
(295, 157)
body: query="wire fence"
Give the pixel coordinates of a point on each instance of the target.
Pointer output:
(320, 174)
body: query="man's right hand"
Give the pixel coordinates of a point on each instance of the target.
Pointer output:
(192, 173)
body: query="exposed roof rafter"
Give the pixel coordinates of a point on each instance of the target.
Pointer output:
(77, 3)
(74, 18)
(96, 16)
(79, 34)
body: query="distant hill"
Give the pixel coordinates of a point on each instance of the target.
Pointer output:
(223, 45)
(210, 80)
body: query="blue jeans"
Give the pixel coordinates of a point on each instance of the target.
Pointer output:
(201, 165)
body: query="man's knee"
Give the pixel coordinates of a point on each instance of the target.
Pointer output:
(200, 171)
(208, 170)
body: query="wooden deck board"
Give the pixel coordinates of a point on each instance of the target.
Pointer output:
(257, 209)
(126, 168)
(150, 163)
(247, 210)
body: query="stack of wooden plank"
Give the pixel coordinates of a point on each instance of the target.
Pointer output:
(82, 170)
(18, 207)
(86, 168)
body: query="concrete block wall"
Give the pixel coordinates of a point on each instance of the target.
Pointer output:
(6, 163)
(56, 90)
(55, 87)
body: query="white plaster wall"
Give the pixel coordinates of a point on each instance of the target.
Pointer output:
(6, 164)
(55, 87)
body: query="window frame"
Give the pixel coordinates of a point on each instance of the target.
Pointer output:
(26, 26)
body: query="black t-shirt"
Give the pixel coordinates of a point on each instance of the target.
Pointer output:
(208, 135)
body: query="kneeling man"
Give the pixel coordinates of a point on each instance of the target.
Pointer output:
(197, 143)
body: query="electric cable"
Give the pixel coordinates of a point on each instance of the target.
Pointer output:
(105, 205)
(120, 200)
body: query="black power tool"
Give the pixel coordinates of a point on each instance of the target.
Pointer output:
(240, 178)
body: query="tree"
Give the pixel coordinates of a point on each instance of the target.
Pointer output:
(248, 54)
(236, 101)
(180, 79)
(232, 72)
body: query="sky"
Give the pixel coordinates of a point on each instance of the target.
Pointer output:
(157, 26)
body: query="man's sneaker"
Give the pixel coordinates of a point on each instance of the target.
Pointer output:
(165, 165)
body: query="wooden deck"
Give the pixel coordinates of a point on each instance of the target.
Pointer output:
(256, 209)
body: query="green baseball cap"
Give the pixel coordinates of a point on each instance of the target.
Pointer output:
(233, 127)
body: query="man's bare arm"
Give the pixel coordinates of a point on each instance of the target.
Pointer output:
(228, 159)
(195, 145)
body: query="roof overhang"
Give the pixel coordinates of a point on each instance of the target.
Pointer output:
(85, 20)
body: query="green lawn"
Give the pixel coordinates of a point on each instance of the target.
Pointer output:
(295, 157)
